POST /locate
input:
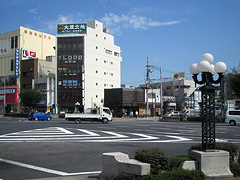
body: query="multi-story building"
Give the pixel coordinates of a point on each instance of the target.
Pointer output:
(16, 47)
(181, 89)
(88, 62)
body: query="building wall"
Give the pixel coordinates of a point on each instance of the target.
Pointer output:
(103, 64)
(26, 39)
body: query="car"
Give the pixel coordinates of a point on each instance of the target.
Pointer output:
(184, 113)
(176, 113)
(39, 116)
(233, 117)
(168, 114)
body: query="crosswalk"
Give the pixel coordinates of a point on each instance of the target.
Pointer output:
(59, 134)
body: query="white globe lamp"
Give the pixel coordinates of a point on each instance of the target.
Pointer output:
(207, 57)
(194, 69)
(204, 66)
(220, 67)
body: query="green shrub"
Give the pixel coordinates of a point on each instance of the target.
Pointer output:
(176, 161)
(157, 159)
(235, 168)
(182, 174)
(226, 146)
(123, 176)
(176, 174)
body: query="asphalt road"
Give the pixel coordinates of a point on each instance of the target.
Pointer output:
(57, 148)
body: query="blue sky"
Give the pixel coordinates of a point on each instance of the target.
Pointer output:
(172, 33)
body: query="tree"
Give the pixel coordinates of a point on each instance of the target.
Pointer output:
(30, 97)
(234, 80)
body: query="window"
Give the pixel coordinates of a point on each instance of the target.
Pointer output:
(108, 51)
(96, 47)
(234, 112)
(96, 72)
(16, 41)
(96, 84)
(116, 54)
(12, 65)
(96, 35)
(96, 96)
(12, 42)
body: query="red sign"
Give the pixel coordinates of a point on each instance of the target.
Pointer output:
(33, 54)
(11, 95)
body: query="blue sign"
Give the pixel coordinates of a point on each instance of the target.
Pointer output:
(16, 62)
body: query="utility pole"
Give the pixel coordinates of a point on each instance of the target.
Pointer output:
(147, 85)
(161, 94)
(4, 99)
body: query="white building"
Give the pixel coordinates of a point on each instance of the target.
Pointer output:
(88, 62)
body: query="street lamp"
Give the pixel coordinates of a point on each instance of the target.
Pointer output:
(207, 70)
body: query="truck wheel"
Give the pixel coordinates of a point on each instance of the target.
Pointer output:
(78, 121)
(104, 121)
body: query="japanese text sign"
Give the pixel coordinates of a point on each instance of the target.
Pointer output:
(72, 28)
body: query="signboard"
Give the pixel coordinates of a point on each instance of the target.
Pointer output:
(16, 62)
(72, 28)
(28, 54)
(179, 75)
(11, 95)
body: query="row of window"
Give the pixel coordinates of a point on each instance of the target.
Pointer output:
(105, 73)
(110, 52)
(14, 42)
(106, 85)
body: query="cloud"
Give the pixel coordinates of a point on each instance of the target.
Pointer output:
(33, 10)
(133, 21)
(51, 25)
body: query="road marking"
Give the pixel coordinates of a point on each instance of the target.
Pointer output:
(46, 170)
(59, 134)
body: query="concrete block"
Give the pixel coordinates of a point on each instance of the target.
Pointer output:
(190, 165)
(213, 164)
(116, 162)
(134, 167)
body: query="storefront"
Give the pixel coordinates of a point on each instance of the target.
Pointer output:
(11, 100)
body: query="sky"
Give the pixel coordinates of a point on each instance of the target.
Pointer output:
(173, 34)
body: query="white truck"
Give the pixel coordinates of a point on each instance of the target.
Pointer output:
(102, 114)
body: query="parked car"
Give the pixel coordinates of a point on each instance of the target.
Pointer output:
(184, 113)
(39, 116)
(168, 114)
(233, 117)
(176, 113)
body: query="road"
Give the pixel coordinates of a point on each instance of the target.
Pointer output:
(30, 149)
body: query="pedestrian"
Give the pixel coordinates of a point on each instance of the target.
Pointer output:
(131, 114)
(136, 114)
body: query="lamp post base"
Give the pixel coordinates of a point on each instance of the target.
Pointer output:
(213, 164)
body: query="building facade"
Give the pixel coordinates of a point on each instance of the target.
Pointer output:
(88, 62)
(15, 47)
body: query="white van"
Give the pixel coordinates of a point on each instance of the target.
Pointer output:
(233, 117)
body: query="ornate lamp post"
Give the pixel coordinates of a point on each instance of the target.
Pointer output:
(207, 70)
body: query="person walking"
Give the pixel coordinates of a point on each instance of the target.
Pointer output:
(136, 114)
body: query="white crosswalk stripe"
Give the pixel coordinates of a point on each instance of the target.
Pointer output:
(59, 134)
